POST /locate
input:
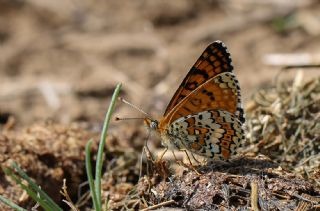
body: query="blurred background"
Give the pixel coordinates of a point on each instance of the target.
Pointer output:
(62, 59)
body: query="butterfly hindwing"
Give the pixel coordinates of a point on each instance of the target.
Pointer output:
(212, 134)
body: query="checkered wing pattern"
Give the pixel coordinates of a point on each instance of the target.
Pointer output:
(214, 60)
(212, 134)
(205, 115)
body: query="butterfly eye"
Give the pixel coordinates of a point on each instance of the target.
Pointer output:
(154, 124)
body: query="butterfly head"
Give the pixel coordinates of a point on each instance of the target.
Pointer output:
(151, 124)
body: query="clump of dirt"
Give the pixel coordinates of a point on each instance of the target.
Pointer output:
(234, 186)
(48, 153)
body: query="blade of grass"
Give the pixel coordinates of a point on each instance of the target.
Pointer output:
(35, 187)
(11, 204)
(90, 176)
(102, 143)
(43, 203)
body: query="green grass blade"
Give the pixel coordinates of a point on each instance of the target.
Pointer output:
(43, 203)
(102, 143)
(90, 176)
(35, 187)
(11, 204)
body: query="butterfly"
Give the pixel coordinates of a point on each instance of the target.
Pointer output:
(205, 115)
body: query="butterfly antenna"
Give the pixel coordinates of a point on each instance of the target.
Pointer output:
(128, 118)
(133, 106)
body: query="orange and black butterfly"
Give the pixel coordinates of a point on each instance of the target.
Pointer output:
(205, 115)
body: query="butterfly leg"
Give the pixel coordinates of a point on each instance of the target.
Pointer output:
(163, 153)
(181, 163)
(194, 158)
(191, 164)
(177, 161)
(147, 150)
(148, 154)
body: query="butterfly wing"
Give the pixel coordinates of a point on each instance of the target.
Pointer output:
(205, 115)
(213, 134)
(213, 61)
(221, 92)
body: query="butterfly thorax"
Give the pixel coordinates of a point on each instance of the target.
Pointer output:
(162, 130)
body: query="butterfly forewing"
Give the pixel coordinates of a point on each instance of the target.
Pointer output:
(220, 92)
(213, 61)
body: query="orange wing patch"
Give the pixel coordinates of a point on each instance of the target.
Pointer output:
(219, 92)
(213, 61)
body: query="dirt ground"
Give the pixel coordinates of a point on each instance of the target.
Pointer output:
(60, 61)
